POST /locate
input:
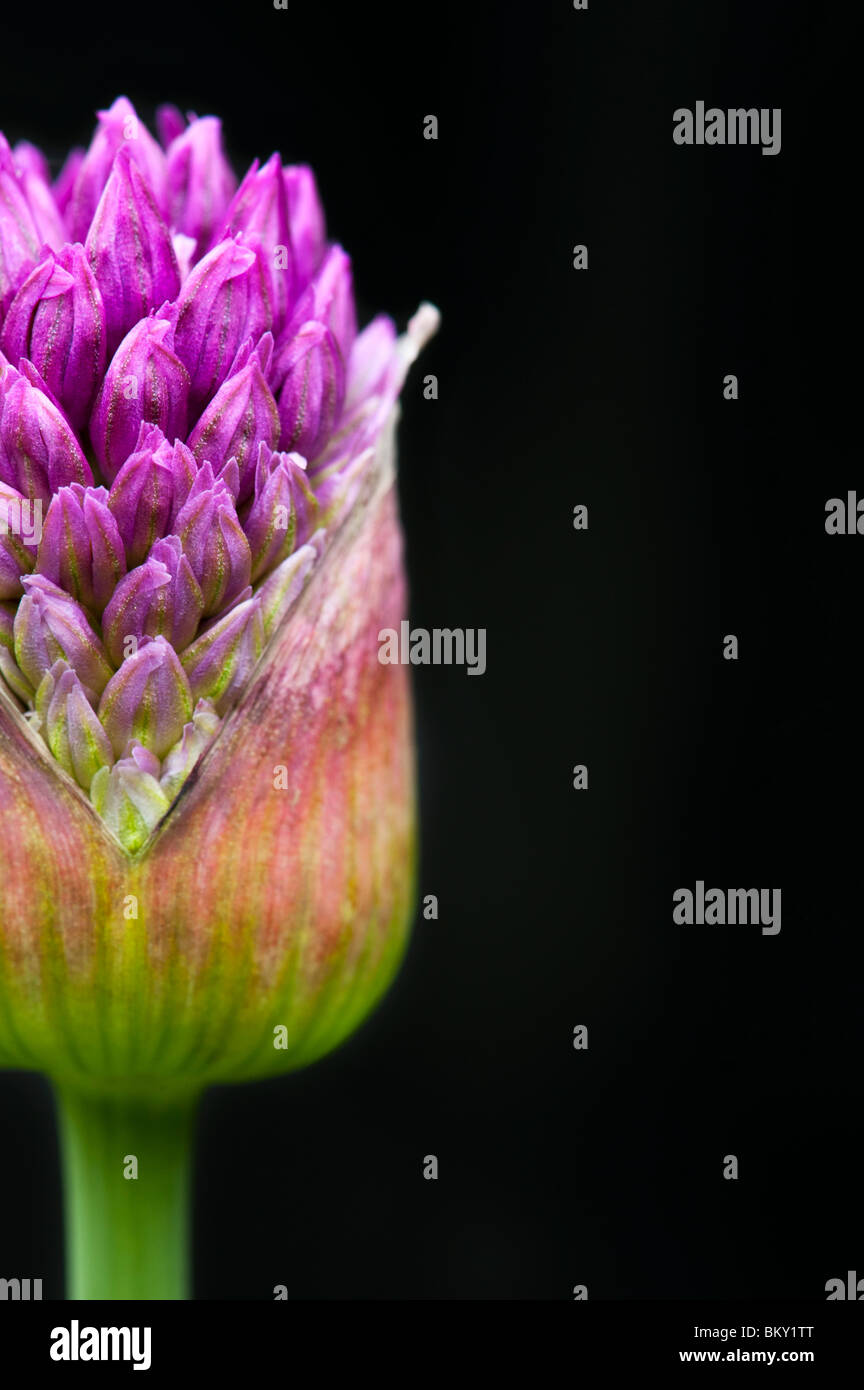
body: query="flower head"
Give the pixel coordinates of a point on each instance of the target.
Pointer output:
(191, 706)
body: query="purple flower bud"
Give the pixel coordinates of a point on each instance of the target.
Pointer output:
(306, 220)
(81, 548)
(72, 729)
(148, 699)
(332, 297)
(223, 302)
(221, 660)
(39, 452)
(10, 671)
(240, 415)
(161, 598)
(64, 184)
(281, 589)
(29, 159)
(130, 251)
(170, 122)
(177, 765)
(146, 383)
(57, 320)
(200, 180)
(149, 491)
(143, 758)
(18, 525)
(313, 388)
(259, 209)
(130, 801)
(119, 129)
(20, 240)
(214, 541)
(50, 626)
(46, 215)
(284, 510)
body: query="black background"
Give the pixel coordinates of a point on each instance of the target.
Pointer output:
(558, 387)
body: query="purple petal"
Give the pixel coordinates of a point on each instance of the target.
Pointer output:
(130, 251)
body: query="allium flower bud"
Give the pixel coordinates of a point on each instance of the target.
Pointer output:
(71, 728)
(57, 320)
(214, 541)
(309, 375)
(224, 301)
(20, 238)
(259, 209)
(220, 661)
(81, 549)
(9, 668)
(32, 168)
(284, 510)
(240, 415)
(130, 801)
(119, 129)
(190, 873)
(130, 251)
(39, 452)
(145, 384)
(306, 220)
(201, 182)
(148, 492)
(50, 626)
(313, 389)
(161, 598)
(178, 764)
(148, 699)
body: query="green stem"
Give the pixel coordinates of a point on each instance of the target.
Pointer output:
(127, 1237)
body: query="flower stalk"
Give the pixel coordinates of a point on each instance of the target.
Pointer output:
(127, 1178)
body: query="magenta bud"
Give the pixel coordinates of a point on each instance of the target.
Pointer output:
(223, 302)
(57, 320)
(130, 251)
(161, 598)
(332, 298)
(170, 122)
(20, 520)
(221, 660)
(143, 758)
(39, 451)
(283, 513)
(306, 220)
(20, 239)
(148, 699)
(312, 391)
(146, 383)
(240, 415)
(81, 549)
(119, 129)
(64, 184)
(32, 168)
(9, 668)
(71, 728)
(50, 626)
(149, 491)
(130, 801)
(214, 541)
(177, 765)
(259, 209)
(201, 182)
